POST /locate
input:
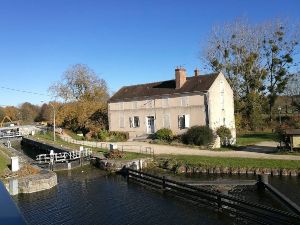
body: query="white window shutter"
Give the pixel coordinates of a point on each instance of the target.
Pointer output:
(130, 122)
(187, 120)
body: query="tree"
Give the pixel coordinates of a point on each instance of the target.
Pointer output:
(29, 112)
(233, 48)
(293, 90)
(278, 49)
(80, 82)
(85, 96)
(256, 59)
(45, 113)
(12, 112)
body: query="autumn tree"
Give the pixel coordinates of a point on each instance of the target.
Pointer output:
(29, 112)
(84, 94)
(12, 112)
(45, 113)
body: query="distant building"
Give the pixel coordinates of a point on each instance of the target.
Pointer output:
(175, 104)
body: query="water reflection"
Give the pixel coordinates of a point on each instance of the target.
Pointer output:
(90, 196)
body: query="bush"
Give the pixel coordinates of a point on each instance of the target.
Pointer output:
(105, 135)
(225, 134)
(118, 136)
(198, 135)
(164, 134)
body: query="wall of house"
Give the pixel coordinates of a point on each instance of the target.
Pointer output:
(221, 105)
(189, 104)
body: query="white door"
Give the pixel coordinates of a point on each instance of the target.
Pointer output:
(150, 124)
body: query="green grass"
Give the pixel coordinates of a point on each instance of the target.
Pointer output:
(235, 162)
(254, 137)
(73, 135)
(48, 138)
(4, 162)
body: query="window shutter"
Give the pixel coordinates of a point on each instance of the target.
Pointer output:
(138, 122)
(179, 122)
(187, 120)
(130, 122)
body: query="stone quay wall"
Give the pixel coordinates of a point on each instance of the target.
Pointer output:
(44, 180)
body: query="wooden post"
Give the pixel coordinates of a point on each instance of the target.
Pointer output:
(127, 175)
(163, 183)
(219, 202)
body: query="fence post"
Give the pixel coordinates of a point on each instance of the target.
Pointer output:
(219, 202)
(163, 183)
(127, 175)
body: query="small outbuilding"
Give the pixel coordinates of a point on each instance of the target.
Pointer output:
(294, 137)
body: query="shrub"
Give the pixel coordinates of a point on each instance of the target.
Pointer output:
(103, 135)
(164, 134)
(198, 135)
(225, 134)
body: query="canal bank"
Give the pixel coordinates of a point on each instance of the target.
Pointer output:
(91, 175)
(25, 177)
(90, 196)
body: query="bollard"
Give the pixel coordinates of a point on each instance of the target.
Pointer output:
(262, 179)
(163, 183)
(15, 164)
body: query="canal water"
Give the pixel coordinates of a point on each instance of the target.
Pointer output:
(88, 195)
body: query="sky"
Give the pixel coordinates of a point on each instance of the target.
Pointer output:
(125, 42)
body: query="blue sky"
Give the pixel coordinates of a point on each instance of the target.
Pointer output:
(125, 41)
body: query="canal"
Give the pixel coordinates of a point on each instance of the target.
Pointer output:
(88, 195)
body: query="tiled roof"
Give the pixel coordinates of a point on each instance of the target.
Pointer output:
(192, 84)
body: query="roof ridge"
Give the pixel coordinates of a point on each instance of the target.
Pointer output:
(143, 84)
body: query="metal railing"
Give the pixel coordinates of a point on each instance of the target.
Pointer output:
(10, 134)
(104, 145)
(63, 156)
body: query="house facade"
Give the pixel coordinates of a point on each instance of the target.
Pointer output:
(175, 104)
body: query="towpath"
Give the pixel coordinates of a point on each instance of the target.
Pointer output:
(182, 150)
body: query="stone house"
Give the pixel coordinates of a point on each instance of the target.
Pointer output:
(175, 104)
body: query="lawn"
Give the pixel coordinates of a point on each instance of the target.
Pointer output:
(235, 162)
(4, 161)
(74, 135)
(254, 137)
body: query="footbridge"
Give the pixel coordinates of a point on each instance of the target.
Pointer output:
(63, 156)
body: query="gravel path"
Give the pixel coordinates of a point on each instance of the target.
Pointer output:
(178, 150)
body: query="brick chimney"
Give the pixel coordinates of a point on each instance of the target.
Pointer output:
(180, 76)
(197, 72)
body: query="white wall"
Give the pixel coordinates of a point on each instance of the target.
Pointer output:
(217, 113)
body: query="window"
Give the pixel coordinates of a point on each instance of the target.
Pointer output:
(183, 121)
(165, 102)
(224, 121)
(166, 121)
(134, 121)
(184, 101)
(122, 121)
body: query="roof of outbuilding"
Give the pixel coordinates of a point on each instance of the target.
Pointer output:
(192, 84)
